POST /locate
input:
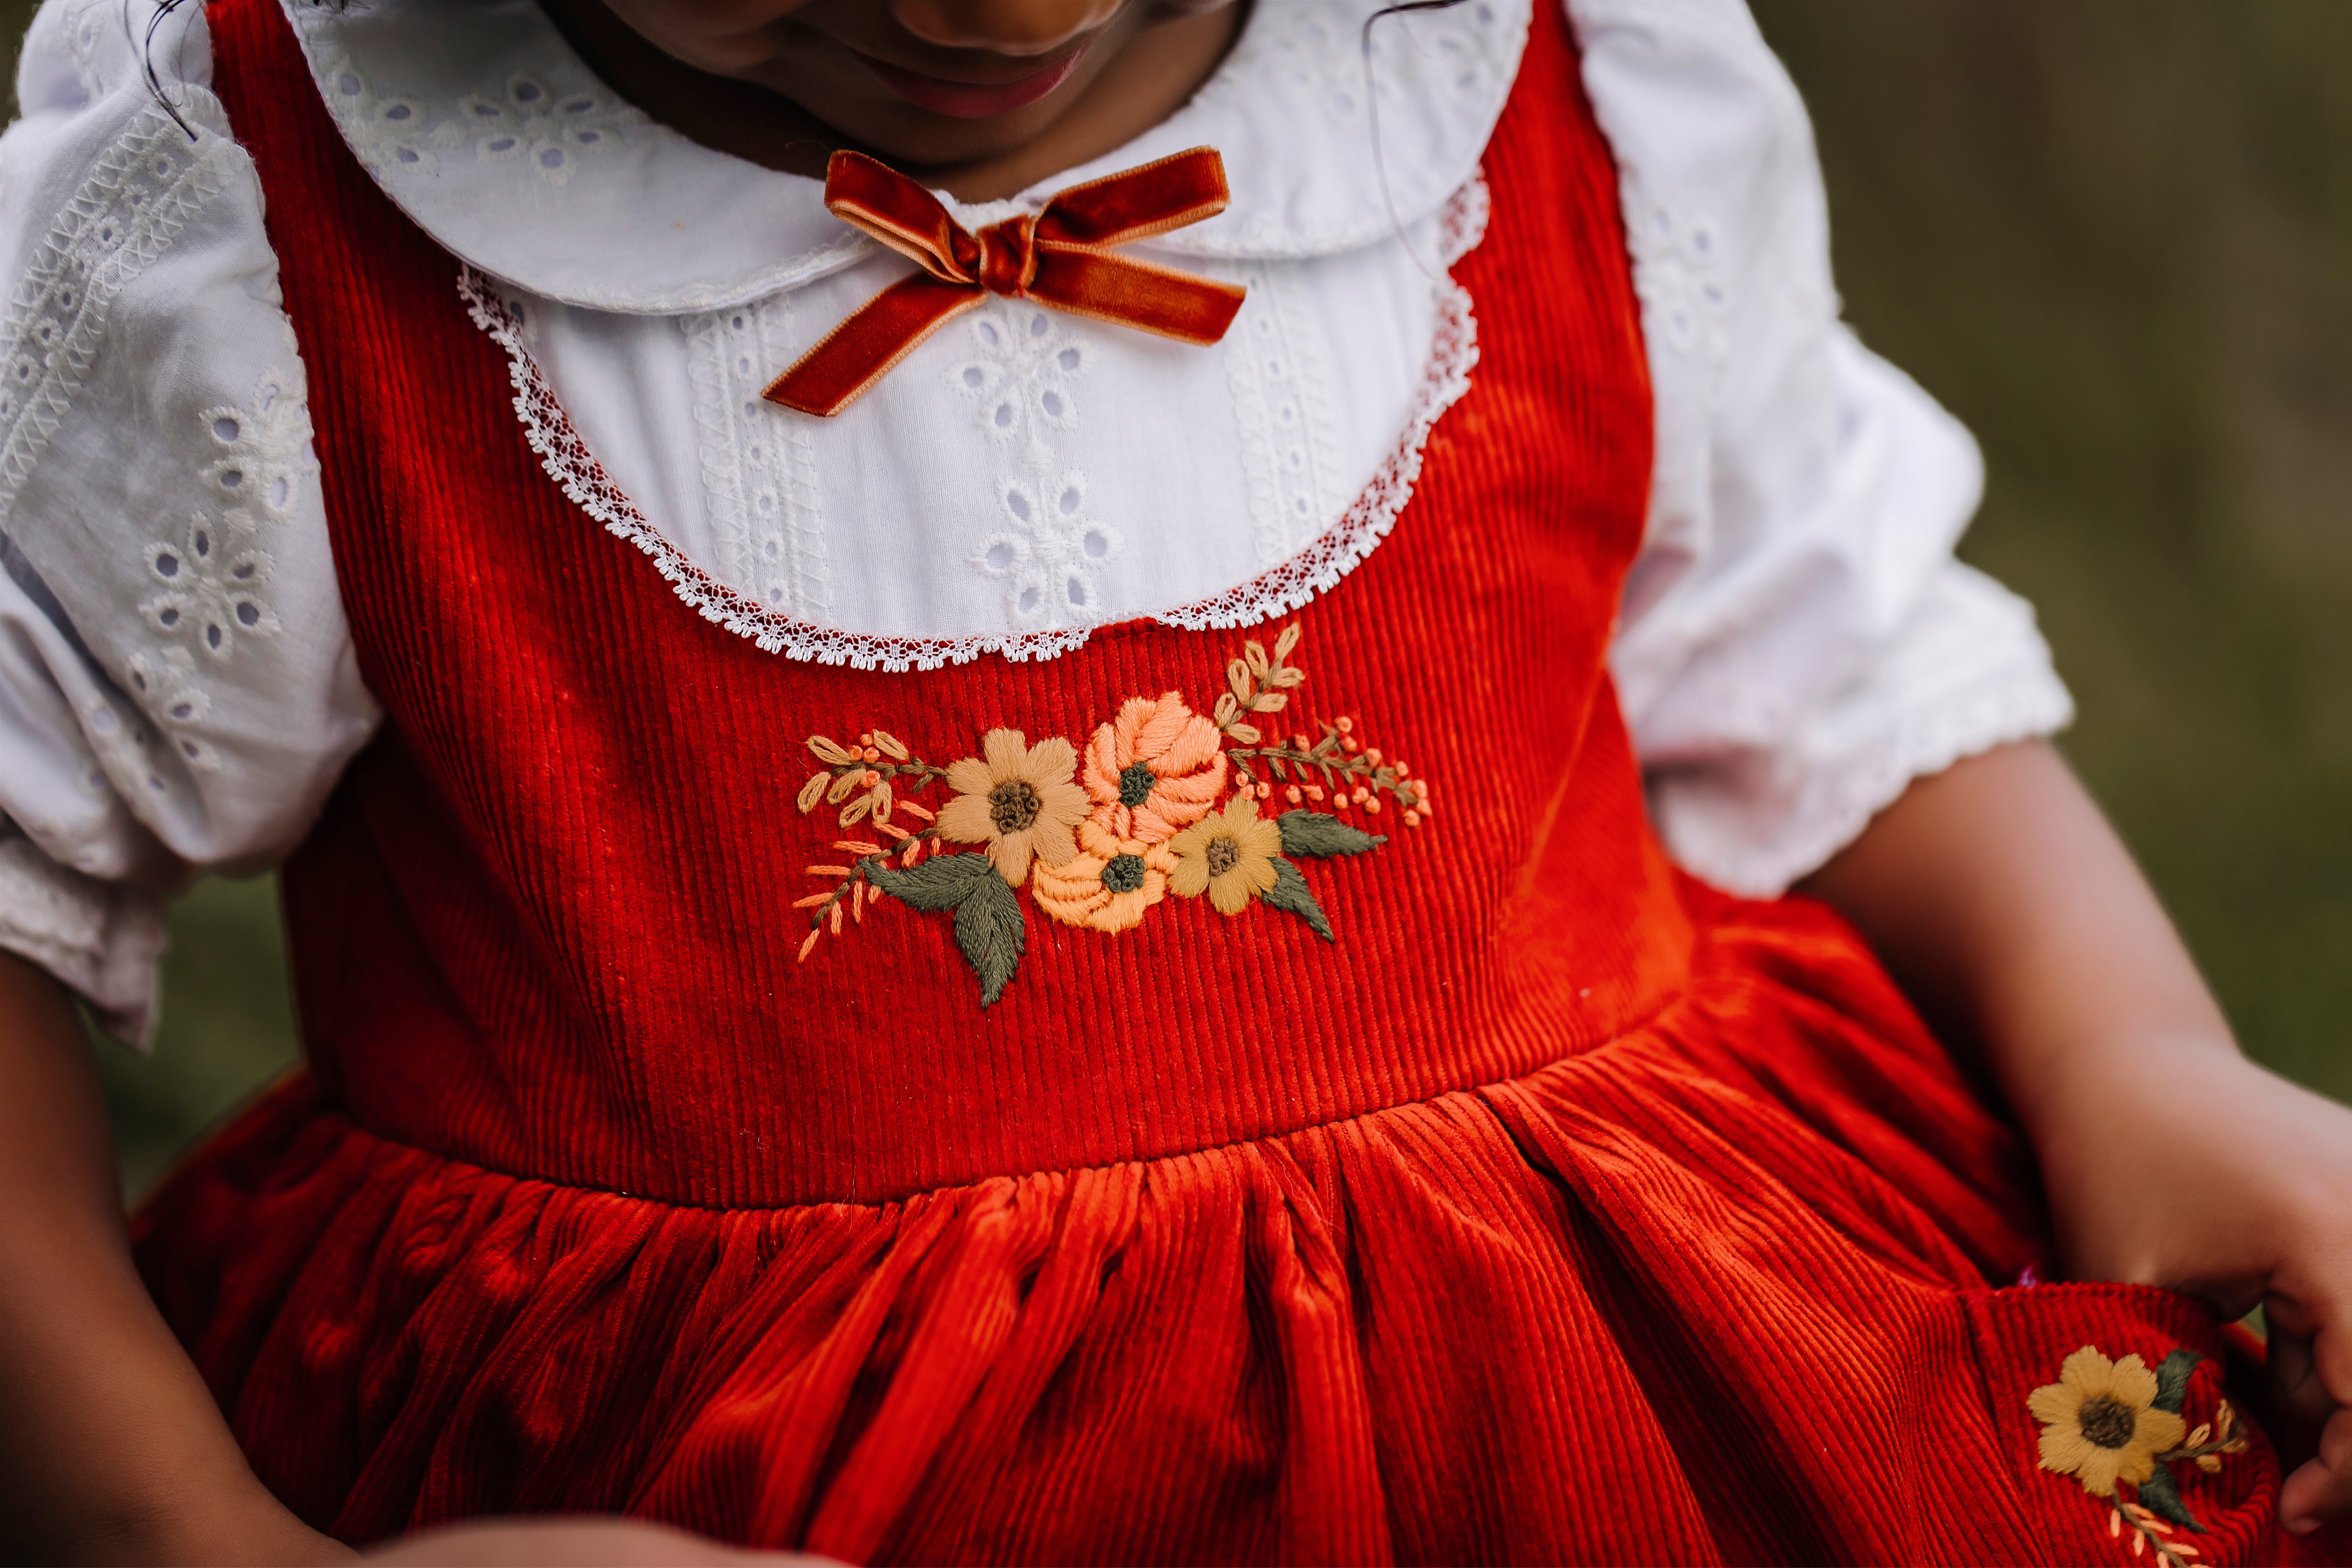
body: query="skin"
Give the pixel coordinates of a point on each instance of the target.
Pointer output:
(1995, 891)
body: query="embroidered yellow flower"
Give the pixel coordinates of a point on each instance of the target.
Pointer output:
(1019, 802)
(1156, 768)
(2099, 1422)
(1107, 884)
(1227, 854)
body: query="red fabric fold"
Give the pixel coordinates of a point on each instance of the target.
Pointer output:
(1060, 259)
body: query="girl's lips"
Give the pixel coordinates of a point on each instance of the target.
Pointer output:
(968, 100)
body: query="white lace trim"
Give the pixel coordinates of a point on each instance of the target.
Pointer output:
(2020, 704)
(137, 199)
(1316, 570)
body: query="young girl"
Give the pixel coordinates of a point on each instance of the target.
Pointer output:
(1033, 758)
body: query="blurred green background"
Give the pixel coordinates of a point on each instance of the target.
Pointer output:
(2116, 237)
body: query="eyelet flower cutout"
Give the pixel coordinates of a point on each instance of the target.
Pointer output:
(2115, 1424)
(209, 597)
(265, 451)
(1102, 838)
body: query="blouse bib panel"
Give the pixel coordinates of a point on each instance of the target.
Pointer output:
(1026, 474)
(558, 920)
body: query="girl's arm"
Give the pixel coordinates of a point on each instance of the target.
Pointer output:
(2001, 898)
(111, 1448)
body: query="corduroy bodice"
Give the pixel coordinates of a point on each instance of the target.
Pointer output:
(552, 920)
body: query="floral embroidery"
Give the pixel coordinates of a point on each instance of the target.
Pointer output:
(1229, 855)
(1102, 837)
(1019, 802)
(2111, 1424)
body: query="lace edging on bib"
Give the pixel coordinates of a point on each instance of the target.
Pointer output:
(565, 456)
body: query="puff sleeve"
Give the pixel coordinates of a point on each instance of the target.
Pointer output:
(1797, 641)
(177, 684)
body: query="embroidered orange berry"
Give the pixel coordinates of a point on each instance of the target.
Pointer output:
(873, 754)
(1373, 755)
(1361, 795)
(1349, 742)
(1314, 791)
(1343, 724)
(1374, 804)
(869, 779)
(1412, 818)
(1294, 794)
(1297, 743)
(1401, 769)
(865, 738)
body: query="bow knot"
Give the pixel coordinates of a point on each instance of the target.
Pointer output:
(1008, 256)
(1059, 257)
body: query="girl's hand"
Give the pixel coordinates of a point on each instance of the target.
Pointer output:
(567, 1543)
(2185, 1166)
(2014, 917)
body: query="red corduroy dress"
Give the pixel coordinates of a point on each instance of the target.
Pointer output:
(1555, 1207)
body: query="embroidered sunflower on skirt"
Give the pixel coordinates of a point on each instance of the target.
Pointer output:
(1101, 837)
(2099, 1421)
(2116, 1423)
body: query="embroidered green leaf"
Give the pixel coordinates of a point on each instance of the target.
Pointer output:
(2160, 1496)
(1290, 890)
(989, 930)
(943, 882)
(1321, 833)
(2172, 1379)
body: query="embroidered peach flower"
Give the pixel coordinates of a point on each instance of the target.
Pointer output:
(1108, 883)
(1228, 854)
(1016, 799)
(2099, 1422)
(1156, 768)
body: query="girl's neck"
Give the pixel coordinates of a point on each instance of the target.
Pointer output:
(1137, 76)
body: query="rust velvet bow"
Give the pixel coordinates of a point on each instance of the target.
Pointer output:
(1061, 258)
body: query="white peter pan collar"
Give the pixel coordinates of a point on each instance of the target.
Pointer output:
(482, 124)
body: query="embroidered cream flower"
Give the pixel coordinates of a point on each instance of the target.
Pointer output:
(1156, 768)
(2099, 1422)
(1108, 883)
(1227, 854)
(1019, 802)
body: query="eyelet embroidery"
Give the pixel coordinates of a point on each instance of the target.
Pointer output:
(2116, 1423)
(1104, 834)
(210, 595)
(1050, 551)
(758, 467)
(383, 131)
(265, 451)
(549, 130)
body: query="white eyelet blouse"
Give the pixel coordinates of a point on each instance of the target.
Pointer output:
(178, 691)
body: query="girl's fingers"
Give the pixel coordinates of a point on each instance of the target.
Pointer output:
(2295, 1384)
(2321, 1490)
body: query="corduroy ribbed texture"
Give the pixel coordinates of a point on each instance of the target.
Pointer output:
(1562, 1210)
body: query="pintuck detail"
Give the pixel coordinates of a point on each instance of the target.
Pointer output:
(1103, 833)
(2116, 1424)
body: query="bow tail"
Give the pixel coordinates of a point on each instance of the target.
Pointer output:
(863, 349)
(1178, 304)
